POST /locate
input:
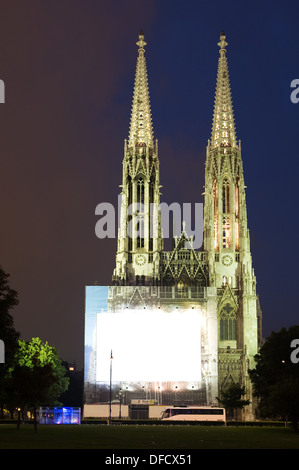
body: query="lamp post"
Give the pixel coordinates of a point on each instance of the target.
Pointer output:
(19, 418)
(120, 397)
(110, 398)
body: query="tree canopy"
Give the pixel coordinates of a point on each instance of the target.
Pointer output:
(37, 379)
(8, 333)
(231, 398)
(276, 376)
(35, 355)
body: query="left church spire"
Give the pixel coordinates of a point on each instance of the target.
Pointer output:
(139, 234)
(141, 129)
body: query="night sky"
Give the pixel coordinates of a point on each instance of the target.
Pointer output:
(68, 68)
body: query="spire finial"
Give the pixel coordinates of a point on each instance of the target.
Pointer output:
(141, 43)
(223, 130)
(141, 130)
(222, 43)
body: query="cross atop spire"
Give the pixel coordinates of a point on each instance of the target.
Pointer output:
(141, 43)
(222, 43)
(141, 130)
(223, 129)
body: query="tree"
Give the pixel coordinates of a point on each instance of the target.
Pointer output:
(276, 377)
(231, 398)
(39, 377)
(31, 386)
(8, 333)
(36, 353)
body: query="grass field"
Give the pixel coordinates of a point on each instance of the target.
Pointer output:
(146, 437)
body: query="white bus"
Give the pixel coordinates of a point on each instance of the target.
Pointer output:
(194, 413)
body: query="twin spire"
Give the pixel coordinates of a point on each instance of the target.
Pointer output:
(223, 128)
(141, 129)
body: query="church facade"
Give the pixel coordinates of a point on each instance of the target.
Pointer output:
(217, 280)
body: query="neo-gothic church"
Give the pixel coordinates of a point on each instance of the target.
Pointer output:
(218, 279)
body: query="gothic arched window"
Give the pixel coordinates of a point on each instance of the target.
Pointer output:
(151, 202)
(129, 185)
(215, 197)
(225, 196)
(227, 323)
(130, 199)
(226, 230)
(140, 232)
(152, 189)
(237, 196)
(215, 204)
(237, 202)
(140, 194)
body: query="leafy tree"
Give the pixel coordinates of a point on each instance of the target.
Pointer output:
(36, 353)
(39, 377)
(31, 386)
(276, 377)
(8, 333)
(231, 398)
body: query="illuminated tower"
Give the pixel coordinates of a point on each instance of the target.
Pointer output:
(139, 239)
(226, 240)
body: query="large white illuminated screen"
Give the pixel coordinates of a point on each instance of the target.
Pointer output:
(149, 346)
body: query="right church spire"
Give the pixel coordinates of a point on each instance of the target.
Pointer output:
(225, 223)
(223, 129)
(227, 242)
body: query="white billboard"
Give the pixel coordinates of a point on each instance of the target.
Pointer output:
(148, 346)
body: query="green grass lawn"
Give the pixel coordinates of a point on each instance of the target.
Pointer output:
(146, 437)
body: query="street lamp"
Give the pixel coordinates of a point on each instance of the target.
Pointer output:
(110, 400)
(19, 418)
(120, 396)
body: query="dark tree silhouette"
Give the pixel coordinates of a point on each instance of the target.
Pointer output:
(39, 378)
(231, 398)
(8, 333)
(276, 377)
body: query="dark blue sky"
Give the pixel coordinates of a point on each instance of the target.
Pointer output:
(69, 68)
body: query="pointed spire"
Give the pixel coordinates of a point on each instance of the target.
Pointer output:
(141, 131)
(223, 129)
